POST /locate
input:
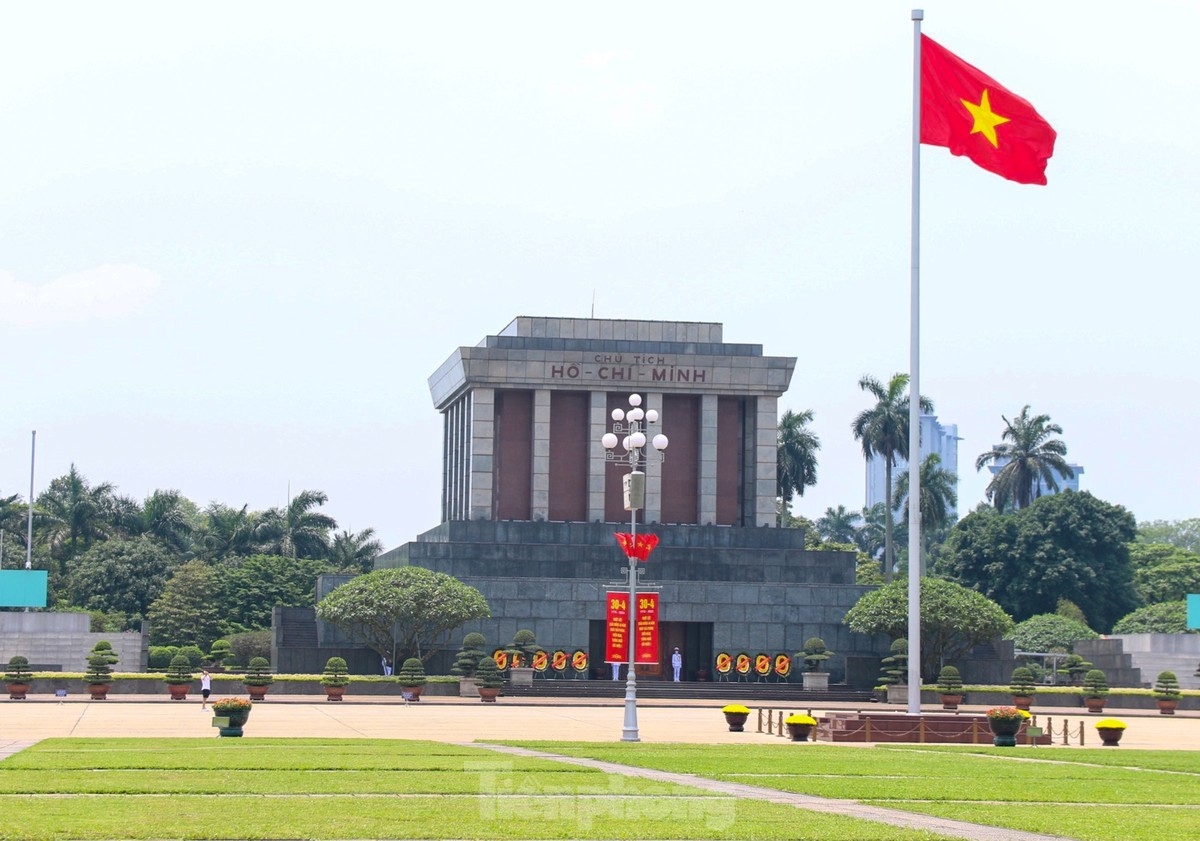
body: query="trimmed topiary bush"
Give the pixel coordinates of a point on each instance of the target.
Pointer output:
(487, 676)
(179, 673)
(1166, 688)
(469, 655)
(1095, 684)
(894, 669)
(949, 681)
(258, 673)
(160, 657)
(815, 653)
(412, 673)
(1022, 682)
(337, 673)
(523, 645)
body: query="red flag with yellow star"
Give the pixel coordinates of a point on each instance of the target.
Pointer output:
(970, 113)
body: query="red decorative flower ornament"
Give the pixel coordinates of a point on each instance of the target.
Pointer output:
(637, 546)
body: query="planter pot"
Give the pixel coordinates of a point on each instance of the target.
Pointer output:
(799, 732)
(1022, 702)
(179, 691)
(467, 688)
(488, 693)
(257, 693)
(1166, 706)
(411, 693)
(334, 693)
(522, 676)
(1094, 705)
(1110, 736)
(237, 720)
(897, 693)
(951, 702)
(816, 681)
(99, 691)
(17, 691)
(736, 721)
(1004, 731)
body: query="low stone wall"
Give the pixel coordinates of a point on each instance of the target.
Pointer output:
(1071, 700)
(46, 687)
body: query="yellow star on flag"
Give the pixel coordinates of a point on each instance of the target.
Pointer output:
(986, 120)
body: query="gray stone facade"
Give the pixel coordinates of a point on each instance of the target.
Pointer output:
(62, 641)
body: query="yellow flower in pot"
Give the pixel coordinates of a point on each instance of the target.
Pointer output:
(735, 717)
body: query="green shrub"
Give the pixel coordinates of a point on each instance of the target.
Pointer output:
(194, 655)
(815, 653)
(250, 644)
(1166, 688)
(337, 673)
(894, 669)
(180, 671)
(412, 673)
(469, 655)
(1076, 667)
(220, 652)
(524, 644)
(487, 676)
(1095, 684)
(259, 673)
(949, 681)
(160, 657)
(1022, 682)
(1049, 632)
(104, 649)
(99, 668)
(18, 670)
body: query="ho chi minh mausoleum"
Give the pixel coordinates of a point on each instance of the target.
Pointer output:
(530, 506)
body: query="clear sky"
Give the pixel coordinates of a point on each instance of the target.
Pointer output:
(236, 238)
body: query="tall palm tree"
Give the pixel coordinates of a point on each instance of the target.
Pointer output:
(838, 525)
(798, 445)
(229, 531)
(939, 496)
(883, 429)
(297, 531)
(168, 516)
(75, 514)
(1027, 453)
(355, 551)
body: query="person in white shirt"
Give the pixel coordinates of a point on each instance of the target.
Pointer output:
(205, 688)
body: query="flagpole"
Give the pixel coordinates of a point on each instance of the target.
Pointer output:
(914, 393)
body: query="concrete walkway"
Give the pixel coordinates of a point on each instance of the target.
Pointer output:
(466, 721)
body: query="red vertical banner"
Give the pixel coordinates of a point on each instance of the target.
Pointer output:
(646, 628)
(617, 639)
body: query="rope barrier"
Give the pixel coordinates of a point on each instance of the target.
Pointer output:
(771, 721)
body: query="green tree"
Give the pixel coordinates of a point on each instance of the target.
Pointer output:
(798, 445)
(1027, 453)
(120, 576)
(297, 531)
(355, 551)
(939, 496)
(1164, 618)
(228, 531)
(1069, 545)
(953, 619)
(252, 586)
(837, 525)
(74, 514)
(187, 612)
(1049, 632)
(170, 518)
(1164, 573)
(1184, 534)
(404, 612)
(883, 430)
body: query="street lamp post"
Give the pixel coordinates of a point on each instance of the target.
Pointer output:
(629, 430)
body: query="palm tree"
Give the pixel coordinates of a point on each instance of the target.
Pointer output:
(1027, 453)
(228, 532)
(297, 531)
(883, 429)
(355, 551)
(838, 525)
(798, 445)
(168, 516)
(75, 513)
(939, 496)
(871, 534)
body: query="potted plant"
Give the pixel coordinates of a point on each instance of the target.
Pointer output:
(894, 672)
(219, 653)
(335, 679)
(1095, 690)
(466, 661)
(1022, 687)
(98, 676)
(258, 678)
(1005, 723)
(488, 679)
(1111, 730)
(949, 685)
(814, 654)
(412, 678)
(735, 717)
(1167, 692)
(800, 726)
(521, 650)
(1076, 667)
(17, 678)
(230, 715)
(179, 677)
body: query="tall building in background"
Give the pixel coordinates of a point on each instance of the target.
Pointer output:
(935, 438)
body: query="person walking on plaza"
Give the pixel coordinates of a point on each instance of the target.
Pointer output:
(387, 666)
(205, 688)
(676, 664)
